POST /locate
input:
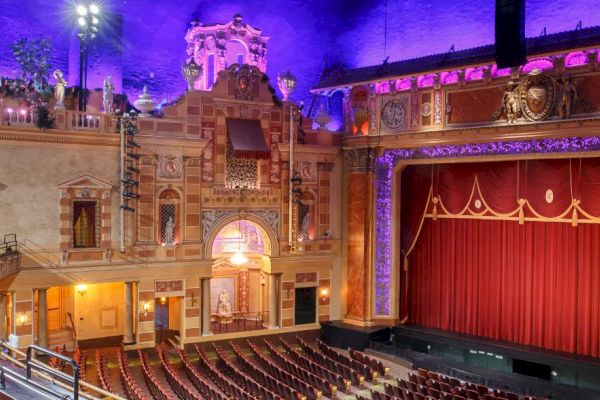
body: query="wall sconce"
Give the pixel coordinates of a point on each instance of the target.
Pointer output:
(82, 289)
(163, 300)
(146, 307)
(22, 319)
(324, 294)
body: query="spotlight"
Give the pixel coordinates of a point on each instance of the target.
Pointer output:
(130, 182)
(134, 156)
(81, 21)
(94, 9)
(127, 208)
(81, 10)
(95, 20)
(131, 195)
(132, 169)
(134, 144)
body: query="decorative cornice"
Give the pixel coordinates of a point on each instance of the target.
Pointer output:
(99, 139)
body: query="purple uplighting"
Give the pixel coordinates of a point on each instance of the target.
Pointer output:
(387, 162)
(425, 80)
(449, 77)
(474, 74)
(541, 64)
(403, 84)
(576, 59)
(498, 72)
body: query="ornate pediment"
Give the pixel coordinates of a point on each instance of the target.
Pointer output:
(85, 181)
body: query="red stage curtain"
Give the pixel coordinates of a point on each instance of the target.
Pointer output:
(536, 283)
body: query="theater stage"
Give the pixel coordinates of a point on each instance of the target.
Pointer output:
(342, 335)
(500, 364)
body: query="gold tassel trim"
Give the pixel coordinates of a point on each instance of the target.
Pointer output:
(434, 212)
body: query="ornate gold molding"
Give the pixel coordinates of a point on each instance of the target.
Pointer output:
(360, 159)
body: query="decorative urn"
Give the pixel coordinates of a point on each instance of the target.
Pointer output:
(287, 84)
(145, 103)
(322, 117)
(191, 71)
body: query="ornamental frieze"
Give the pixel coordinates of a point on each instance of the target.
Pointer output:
(212, 217)
(539, 97)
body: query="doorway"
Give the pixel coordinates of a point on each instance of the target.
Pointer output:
(167, 318)
(306, 305)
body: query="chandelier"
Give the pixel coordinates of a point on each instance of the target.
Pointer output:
(239, 258)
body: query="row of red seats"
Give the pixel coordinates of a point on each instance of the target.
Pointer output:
(132, 390)
(228, 386)
(179, 386)
(305, 362)
(274, 370)
(103, 376)
(156, 389)
(370, 361)
(365, 370)
(328, 388)
(279, 381)
(80, 358)
(251, 378)
(329, 363)
(204, 385)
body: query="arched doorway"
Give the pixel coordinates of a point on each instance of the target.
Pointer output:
(240, 286)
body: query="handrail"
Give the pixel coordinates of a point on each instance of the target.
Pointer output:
(74, 380)
(85, 384)
(72, 326)
(32, 385)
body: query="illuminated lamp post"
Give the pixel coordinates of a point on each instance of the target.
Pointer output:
(287, 84)
(88, 28)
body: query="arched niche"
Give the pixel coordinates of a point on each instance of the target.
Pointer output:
(230, 229)
(237, 51)
(169, 205)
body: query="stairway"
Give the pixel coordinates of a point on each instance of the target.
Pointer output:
(62, 338)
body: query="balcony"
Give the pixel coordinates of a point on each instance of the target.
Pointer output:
(64, 120)
(10, 256)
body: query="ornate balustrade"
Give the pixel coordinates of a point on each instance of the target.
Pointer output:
(66, 120)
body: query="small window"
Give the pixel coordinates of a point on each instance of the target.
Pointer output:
(240, 59)
(84, 223)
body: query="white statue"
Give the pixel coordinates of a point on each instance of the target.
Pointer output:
(224, 306)
(59, 90)
(170, 231)
(107, 95)
(304, 227)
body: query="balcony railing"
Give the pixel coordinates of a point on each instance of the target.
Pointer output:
(10, 256)
(66, 120)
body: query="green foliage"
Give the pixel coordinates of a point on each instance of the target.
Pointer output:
(33, 56)
(44, 119)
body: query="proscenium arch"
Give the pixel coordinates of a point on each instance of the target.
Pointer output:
(271, 236)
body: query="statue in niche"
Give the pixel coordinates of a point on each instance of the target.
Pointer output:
(107, 95)
(59, 90)
(304, 227)
(170, 231)
(224, 305)
(567, 96)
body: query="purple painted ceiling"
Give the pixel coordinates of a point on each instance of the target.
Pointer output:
(146, 46)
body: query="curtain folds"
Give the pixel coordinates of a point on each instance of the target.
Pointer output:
(482, 272)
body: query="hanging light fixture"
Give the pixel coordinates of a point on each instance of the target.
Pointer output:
(239, 258)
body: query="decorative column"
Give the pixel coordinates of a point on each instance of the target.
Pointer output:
(3, 315)
(274, 300)
(360, 180)
(42, 325)
(128, 337)
(205, 314)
